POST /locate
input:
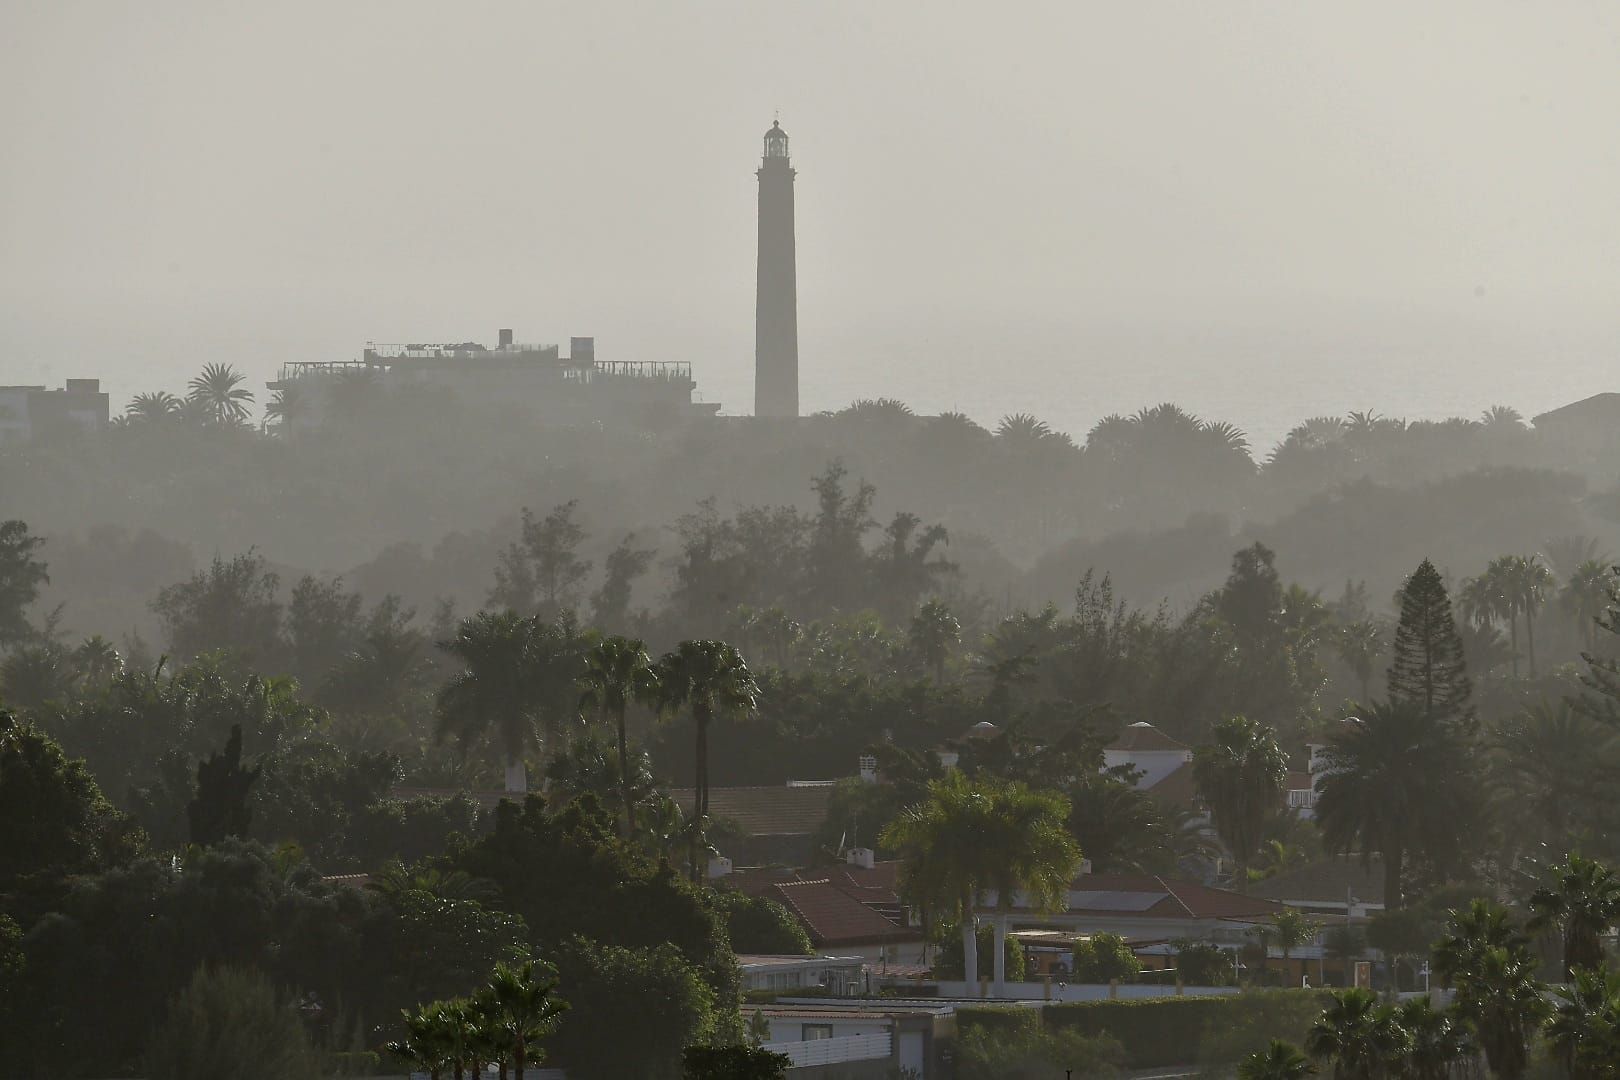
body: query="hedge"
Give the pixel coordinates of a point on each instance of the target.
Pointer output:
(1191, 1030)
(998, 1019)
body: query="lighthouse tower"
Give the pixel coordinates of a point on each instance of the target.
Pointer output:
(776, 302)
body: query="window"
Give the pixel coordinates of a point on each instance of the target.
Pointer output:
(817, 1031)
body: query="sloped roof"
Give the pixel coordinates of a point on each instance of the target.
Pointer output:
(778, 810)
(1144, 736)
(1162, 898)
(1326, 882)
(833, 918)
(877, 886)
(1177, 789)
(1597, 409)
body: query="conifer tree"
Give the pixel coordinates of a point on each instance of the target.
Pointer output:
(1428, 672)
(220, 808)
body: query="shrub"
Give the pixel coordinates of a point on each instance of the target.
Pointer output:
(1204, 965)
(734, 1063)
(999, 1019)
(1184, 1030)
(987, 1054)
(1103, 958)
(231, 1023)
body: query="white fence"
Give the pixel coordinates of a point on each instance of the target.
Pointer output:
(1040, 991)
(835, 1051)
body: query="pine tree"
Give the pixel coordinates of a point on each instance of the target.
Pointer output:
(220, 808)
(1429, 673)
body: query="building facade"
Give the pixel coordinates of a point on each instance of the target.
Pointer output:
(28, 412)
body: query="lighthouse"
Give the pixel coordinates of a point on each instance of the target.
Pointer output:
(776, 302)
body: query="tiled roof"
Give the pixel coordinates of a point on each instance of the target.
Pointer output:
(1144, 736)
(833, 918)
(1327, 881)
(779, 810)
(1177, 789)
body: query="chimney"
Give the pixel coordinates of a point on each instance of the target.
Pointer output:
(868, 768)
(862, 857)
(506, 338)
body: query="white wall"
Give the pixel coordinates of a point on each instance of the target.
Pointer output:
(1154, 765)
(1037, 991)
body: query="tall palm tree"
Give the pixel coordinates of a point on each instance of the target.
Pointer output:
(963, 840)
(618, 671)
(1240, 777)
(1435, 1041)
(218, 389)
(1584, 1031)
(1470, 933)
(1357, 1035)
(1583, 902)
(706, 677)
(527, 1010)
(1586, 597)
(515, 673)
(934, 632)
(1529, 581)
(1397, 783)
(1035, 858)
(1278, 1061)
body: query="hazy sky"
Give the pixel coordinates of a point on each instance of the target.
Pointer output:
(1258, 210)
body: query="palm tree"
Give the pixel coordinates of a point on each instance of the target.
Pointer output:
(1292, 929)
(488, 1037)
(427, 1043)
(287, 405)
(1359, 644)
(963, 840)
(527, 1010)
(1395, 783)
(1584, 1031)
(1586, 597)
(1529, 581)
(1542, 756)
(97, 660)
(1470, 933)
(218, 389)
(707, 677)
(1499, 995)
(1583, 902)
(1278, 1061)
(618, 671)
(152, 408)
(515, 669)
(1435, 1041)
(1357, 1035)
(1240, 777)
(396, 879)
(934, 632)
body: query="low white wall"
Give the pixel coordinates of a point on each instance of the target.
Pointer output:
(1035, 991)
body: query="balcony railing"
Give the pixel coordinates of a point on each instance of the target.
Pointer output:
(1302, 799)
(834, 1051)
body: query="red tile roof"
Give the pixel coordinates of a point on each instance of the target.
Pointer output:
(1150, 896)
(1177, 789)
(833, 918)
(1144, 736)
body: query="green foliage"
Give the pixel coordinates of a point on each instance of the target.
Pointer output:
(1104, 957)
(997, 1018)
(1200, 964)
(733, 1063)
(1582, 902)
(1584, 1031)
(948, 956)
(21, 575)
(56, 820)
(985, 1053)
(231, 1023)
(220, 807)
(760, 925)
(1278, 1061)
(1240, 777)
(673, 1006)
(1428, 674)
(231, 608)
(1357, 1035)
(1175, 1030)
(566, 875)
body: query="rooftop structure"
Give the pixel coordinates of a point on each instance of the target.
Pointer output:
(577, 388)
(28, 412)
